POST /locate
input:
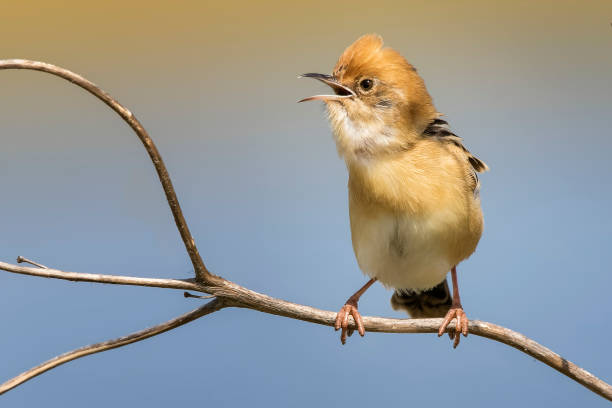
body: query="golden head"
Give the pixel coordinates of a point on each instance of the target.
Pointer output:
(380, 103)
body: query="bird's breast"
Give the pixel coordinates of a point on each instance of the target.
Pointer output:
(403, 251)
(412, 219)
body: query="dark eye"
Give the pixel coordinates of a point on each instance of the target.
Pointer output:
(366, 84)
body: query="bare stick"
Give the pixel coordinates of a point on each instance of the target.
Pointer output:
(184, 284)
(208, 308)
(236, 295)
(253, 300)
(21, 259)
(191, 295)
(202, 274)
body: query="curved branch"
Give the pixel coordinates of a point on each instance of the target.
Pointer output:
(202, 274)
(231, 294)
(252, 300)
(238, 296)
(208, 308)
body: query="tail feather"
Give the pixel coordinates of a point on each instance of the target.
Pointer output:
(434, 302)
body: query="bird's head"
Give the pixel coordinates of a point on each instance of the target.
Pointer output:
(380, 103)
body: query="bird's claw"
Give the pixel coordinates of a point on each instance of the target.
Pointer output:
(342, 321)
(461, 326)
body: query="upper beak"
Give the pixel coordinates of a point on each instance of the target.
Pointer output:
(341, 91)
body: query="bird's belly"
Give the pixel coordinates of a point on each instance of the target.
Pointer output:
(404, 251)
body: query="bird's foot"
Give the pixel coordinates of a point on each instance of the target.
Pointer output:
(461, 326)
(342, 320)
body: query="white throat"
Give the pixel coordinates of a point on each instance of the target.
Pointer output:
(361, 136)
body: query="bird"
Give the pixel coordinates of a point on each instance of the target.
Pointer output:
(413, 188)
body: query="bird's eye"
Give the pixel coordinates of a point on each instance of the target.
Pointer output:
(366, 84)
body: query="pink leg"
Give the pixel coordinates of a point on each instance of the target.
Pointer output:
(456, 311)
(350, 309)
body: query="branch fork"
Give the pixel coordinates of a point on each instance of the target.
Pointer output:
(225, 293)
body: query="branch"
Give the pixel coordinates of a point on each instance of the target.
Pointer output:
(231, 294)
(185, 284)
(208, 308)
(202, 274)
(238, 296)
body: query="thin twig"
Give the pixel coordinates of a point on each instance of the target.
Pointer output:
(190, 295)
(21, 259)
(202, 274)
(184, 284)
(208, 308)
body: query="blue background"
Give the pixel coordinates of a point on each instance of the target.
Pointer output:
(527, 85)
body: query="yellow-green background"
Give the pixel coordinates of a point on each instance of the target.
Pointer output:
(527, 84)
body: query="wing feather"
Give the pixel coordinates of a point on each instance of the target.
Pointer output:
(440, 130)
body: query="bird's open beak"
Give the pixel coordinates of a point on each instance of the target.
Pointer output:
(341, 91)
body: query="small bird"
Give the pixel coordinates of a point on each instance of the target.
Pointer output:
(413, 188)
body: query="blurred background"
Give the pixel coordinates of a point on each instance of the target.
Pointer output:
(526, 84)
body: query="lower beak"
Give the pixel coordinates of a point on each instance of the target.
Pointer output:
(341, 91)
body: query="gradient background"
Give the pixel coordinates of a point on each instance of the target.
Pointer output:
(527, 85)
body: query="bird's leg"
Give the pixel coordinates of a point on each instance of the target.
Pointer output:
(350, 309)
(456, 311)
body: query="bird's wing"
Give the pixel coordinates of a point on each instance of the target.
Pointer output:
(440, 130)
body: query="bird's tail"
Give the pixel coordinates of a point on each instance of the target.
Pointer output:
(434, 302)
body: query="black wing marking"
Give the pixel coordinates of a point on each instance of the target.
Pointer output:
(439, 129)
